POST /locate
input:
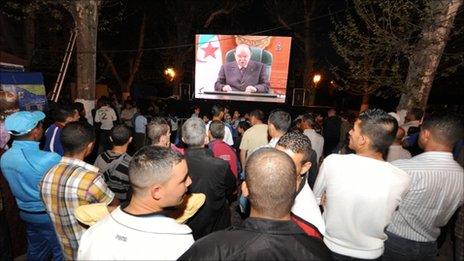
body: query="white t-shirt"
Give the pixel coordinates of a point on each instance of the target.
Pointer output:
(396, 152)
(317, 141)
(105, 115)
(227, 134)
(362, 193)
(306, 207)
(140, 124)
(121, 236)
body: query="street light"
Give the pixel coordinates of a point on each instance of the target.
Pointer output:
(170, 74)
(316, 79)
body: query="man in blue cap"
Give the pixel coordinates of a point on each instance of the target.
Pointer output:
(24, 166)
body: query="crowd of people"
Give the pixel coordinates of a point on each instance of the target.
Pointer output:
(248, 186)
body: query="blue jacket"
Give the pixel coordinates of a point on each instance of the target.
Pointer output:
(53, 139)
(24, 165)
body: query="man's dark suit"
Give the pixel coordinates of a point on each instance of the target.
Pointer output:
(254, 74)
(212, 177)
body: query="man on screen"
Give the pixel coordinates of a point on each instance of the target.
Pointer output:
(242, 74)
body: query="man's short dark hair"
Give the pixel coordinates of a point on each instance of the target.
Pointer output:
(78, 106)
(280, 119)
(63, 112)
(120, 135)
(157, 128)
(380, 127)
(151, 165)
(309, 119)
(245, 125)
(104, 100)
(447, 129)
(271, 182)
(76, 136)
(216, 110)
(258, 114)
(298, 143)
(217, 129)
(417, 112)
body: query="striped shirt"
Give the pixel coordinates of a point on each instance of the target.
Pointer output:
(115, 170)
(68, 185)
(436, 191)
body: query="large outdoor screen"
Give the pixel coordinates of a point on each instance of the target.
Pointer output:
(241, 67)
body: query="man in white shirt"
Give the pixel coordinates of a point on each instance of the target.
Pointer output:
(254, 137)
(396, 150)
(317, 141)
(437, 190)
(305, 207)
(218, 114)
(105, 118)
(278, 123)
(361, 190)
(141, 230)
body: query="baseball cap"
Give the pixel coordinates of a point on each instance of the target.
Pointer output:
(22, 122)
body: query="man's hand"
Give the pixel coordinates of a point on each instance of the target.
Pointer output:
(250, 88)
(227, 88)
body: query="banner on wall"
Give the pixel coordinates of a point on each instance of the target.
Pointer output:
(23, 91)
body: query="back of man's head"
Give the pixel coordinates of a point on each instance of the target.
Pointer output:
(379, 127)
(104, 101)
(63, 113)
(281, 120)
(297, 142)
(76, 136)
(151, 165)
(309, 120)
(194, 132)
(400, 134)
(120, 135)
(157, 128)
(217, 110)
(271, 183)
(445, 129)
(217, 129)
(416, 113)
(257, 114)
(331, 112)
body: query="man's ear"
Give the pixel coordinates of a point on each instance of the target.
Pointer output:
(155, 192)
(206, 139)
(89, 148)
(305, 168)
(245, 191)
(425, 135)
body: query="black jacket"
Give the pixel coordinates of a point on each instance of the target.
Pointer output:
(212, 177)
(259, 239)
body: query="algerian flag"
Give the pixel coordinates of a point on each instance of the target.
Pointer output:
(208, 62)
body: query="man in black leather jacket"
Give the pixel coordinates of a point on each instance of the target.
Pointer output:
(268, 234)
(210, 176)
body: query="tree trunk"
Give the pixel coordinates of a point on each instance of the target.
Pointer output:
(426, 57)
(85, 14)
(364, 102)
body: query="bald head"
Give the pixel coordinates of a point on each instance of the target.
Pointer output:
(271, 182)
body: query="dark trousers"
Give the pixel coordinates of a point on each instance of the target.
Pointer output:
(398, 248)
(42, 242)
(5, 245)
(105, 142)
